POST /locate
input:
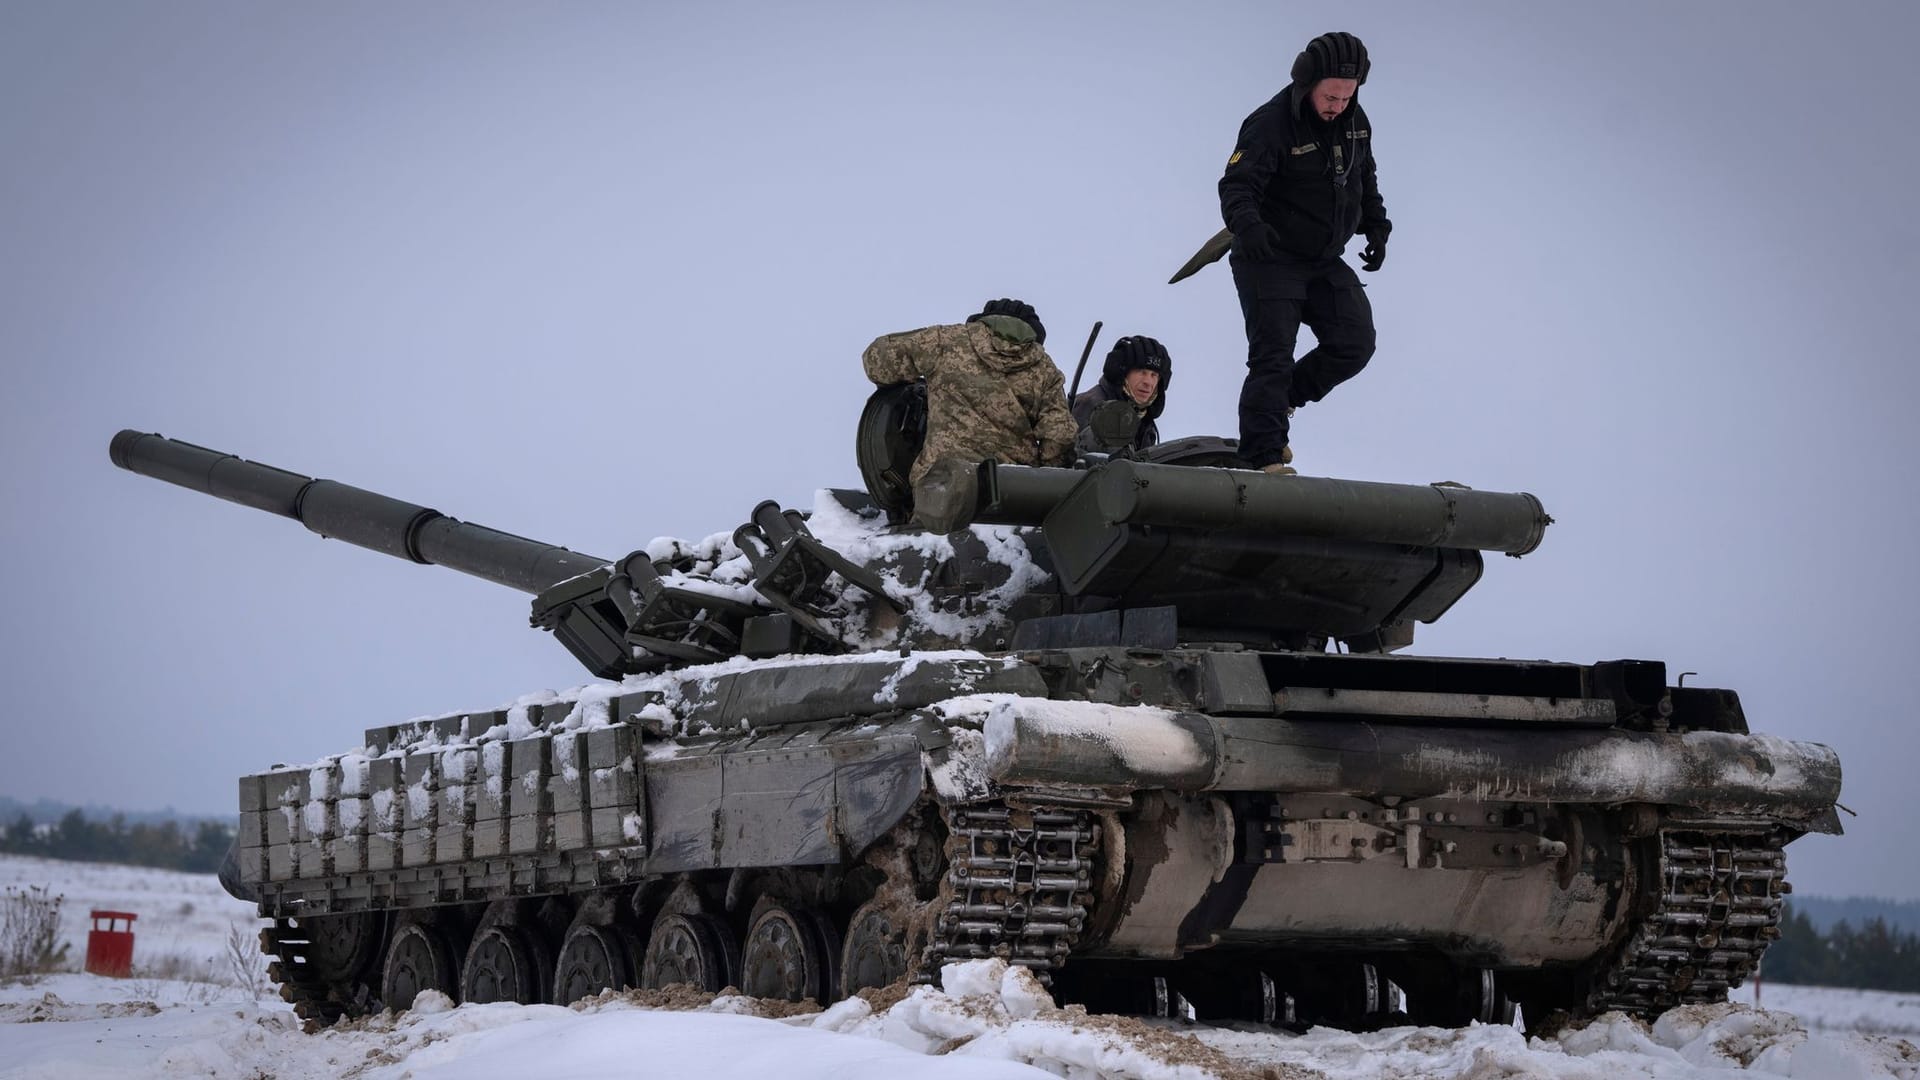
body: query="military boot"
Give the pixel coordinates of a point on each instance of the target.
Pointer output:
(945, 498)
(1279, 468)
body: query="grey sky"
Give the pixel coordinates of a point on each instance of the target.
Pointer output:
(599, 273)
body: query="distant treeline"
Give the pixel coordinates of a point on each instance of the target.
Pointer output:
(1872, 955)
(196, 847)
(46, 811)
(1825, 911)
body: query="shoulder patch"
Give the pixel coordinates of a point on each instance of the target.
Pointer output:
(1235, 159)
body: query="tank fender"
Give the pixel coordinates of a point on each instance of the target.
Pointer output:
(796, 693)
(1143, 747)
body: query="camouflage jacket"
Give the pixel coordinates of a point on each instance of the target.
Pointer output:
(992, 392)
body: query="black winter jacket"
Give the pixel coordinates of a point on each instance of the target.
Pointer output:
(1146, 435)
(1312, 180)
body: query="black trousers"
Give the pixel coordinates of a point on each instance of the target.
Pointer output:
(1276, 297)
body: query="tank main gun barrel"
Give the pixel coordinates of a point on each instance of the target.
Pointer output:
(364, 518)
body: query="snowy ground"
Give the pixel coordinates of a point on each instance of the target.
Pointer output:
(1828, 1009)
(186, 1013)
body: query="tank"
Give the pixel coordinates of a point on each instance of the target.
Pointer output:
(1143, 726)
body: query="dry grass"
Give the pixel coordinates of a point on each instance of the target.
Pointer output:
(29, 931)
(246, 964)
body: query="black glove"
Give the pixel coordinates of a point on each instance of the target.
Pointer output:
(1259, 241)
(1375, 255)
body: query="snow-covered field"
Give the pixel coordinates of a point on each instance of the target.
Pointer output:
(186, 927)
(1827, 1008)
(187, 1013)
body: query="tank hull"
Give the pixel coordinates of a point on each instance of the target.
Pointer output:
(1537, 844)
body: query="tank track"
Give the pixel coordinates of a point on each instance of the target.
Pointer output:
(311, 996)
(1018, 886)
(1719, 908)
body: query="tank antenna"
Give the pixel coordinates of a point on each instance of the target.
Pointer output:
(1084, 353)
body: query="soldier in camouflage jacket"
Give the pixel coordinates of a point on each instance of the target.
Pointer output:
(993, 393)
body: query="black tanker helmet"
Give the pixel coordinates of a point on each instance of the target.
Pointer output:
(1136, 354)
(1018, 309)
(1331, 56)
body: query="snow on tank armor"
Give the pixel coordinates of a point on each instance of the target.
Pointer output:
(1098, 733)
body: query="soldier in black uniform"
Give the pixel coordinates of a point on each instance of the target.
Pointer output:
(1137, 371)
(1299, 185)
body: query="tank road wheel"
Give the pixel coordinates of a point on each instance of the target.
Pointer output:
(785, 957)
(691, 949)
(1342, 993)
(1456, 997)
(1246, 994)
(418, 959)
(501, 966)
(592, 959)
(340, 948)
(875, 953)
(1359, 996)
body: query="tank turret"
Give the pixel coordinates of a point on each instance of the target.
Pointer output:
(1232, 554)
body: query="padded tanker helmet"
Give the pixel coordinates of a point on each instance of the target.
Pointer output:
(1137, 353)
(1332, 56)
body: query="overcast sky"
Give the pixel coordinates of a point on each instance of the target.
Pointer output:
(599, 273)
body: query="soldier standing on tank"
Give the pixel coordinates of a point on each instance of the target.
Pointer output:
(1299, 185)
(993, 394)
(1137, 370)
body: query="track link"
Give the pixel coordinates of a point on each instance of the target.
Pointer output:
(1719, 908)
(315, 1000)
(1018, 885)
